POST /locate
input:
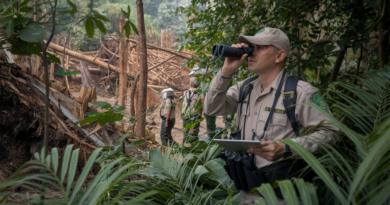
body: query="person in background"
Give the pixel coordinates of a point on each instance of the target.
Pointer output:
(167, 114)
(190, 112)
(210, 121)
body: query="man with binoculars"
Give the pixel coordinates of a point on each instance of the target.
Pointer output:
(262, 113)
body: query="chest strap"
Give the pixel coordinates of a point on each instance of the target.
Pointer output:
(277, 95)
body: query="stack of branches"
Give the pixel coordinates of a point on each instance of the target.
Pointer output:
(164, 64)
(22, 121)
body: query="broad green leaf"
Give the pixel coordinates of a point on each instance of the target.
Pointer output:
(89, 28)
(65, 161)
(126, 27)
(47, 161)
(54, 156)
(72, 169)
(99, 16)
(128, 12)
(100, 25)
(137, 142)
(98, 103)
(106, 106)
(53, 58)
(10, 28)
(134, 28)
(36, 156)
(5, 20)
(24, 3)
(33, 32)
(89, 119)
(65, 73)
(118, 108)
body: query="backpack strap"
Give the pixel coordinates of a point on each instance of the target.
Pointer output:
(245, 89)
(289, 101)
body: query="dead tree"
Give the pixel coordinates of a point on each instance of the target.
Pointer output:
(140, 131)
(88, 90)
(123, 55)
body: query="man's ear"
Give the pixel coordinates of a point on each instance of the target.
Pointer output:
(280, 56)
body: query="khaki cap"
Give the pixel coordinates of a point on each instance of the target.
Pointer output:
(268, 36)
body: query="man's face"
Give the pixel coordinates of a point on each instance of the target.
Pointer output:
(263, 59)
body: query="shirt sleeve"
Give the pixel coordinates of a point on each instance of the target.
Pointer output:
(219, 99)
(309, 117)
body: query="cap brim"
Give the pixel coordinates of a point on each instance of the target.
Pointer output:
(253, 40)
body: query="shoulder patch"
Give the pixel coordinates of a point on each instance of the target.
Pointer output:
(318, 100)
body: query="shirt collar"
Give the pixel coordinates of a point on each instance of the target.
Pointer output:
(273, 85)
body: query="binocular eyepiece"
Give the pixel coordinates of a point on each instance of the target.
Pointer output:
(231, 52)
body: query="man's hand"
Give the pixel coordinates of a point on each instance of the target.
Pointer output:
(231, 65)
(166, 123)
(271, 151)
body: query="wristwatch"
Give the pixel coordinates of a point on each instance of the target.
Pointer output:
(287, 151)
(226, 77)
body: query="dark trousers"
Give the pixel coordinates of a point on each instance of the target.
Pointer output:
(166, 132)
(211, 126)
(191, 135)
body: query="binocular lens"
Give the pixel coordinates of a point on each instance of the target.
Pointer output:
(214, 50)
(230, 52)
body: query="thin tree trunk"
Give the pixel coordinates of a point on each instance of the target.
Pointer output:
(123, 55)
(132, 101)
(384, 39)
(337, 65)
(143, 70)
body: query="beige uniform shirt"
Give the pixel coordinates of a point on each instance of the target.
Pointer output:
(166, 104)
(190, 98)
(222, 101)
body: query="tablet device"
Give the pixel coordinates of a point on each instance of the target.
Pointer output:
(238, 145)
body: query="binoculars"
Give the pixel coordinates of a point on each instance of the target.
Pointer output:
(241, 169)
(230, 52)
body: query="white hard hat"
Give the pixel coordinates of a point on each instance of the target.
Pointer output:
(168, 90)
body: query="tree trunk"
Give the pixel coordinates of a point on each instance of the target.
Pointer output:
(337, 65)
(143, 70)
(384, 39)
(123, 55)
(132, 101)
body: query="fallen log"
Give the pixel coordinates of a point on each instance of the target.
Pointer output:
(163, 49)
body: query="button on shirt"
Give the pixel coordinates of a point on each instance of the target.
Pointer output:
(223, 101)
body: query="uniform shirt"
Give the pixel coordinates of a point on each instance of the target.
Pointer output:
(190, 98)
(221, 101)
(167, 103)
